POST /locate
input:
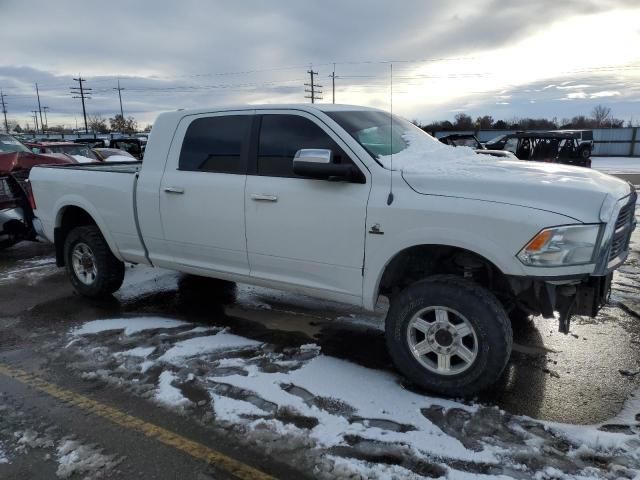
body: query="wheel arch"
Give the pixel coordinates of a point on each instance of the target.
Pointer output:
(416, 262)
(71, 215)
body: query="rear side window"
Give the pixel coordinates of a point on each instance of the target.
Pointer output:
(281, 136)
(216, 144)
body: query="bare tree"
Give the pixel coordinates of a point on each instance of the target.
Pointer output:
(98, 124)
(600, 114)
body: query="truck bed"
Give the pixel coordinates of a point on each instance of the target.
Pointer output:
(101, 191)
(116, 167)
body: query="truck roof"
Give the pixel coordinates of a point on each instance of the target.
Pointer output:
(310, 107)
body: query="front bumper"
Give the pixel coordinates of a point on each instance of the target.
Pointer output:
(585, 295)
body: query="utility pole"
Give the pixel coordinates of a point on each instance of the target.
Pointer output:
(119, 89)
(46, 122)
(333, 84)
(82, 93)
(312, 90)
(39, 109)
(35, 119)
(4, 110)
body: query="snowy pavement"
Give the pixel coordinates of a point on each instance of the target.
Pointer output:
(613, 165)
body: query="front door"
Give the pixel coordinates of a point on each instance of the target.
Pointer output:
(306, 233)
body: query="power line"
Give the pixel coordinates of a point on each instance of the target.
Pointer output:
(39, 109)
(80, 92)
(314, 94)
(333, 84)
(119, 89)
(45, 117)
(35, 119)
(4, 110)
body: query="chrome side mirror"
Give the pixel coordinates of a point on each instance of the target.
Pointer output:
(313, 155)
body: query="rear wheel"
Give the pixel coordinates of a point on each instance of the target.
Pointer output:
(449, 335)
(585, 153)
(93, 269)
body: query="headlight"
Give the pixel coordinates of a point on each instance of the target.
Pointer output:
(561, 246)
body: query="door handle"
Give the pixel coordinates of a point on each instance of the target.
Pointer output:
(263, 198)
(178, 190)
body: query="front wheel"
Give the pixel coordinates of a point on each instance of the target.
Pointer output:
(93, 269)
(449, 335)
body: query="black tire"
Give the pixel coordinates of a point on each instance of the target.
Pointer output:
(482, 311)
(585, 153)
(109, 271)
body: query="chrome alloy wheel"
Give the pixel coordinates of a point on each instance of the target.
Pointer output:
(84, 263)
(442, 340)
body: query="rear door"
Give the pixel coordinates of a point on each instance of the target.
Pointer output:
(306, 233)
(202, 192)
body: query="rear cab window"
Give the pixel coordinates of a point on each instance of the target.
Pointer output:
(216, 144)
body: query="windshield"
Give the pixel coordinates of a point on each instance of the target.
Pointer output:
(465, 142)
(9, 144)
(81, 150)
(496, 139)
(373, 130)
(395, 140)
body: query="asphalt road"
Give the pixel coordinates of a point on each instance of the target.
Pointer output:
(581, 378)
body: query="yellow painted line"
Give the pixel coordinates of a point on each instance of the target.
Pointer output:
(167, 437)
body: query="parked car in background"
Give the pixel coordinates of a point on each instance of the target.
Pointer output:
(132, 145)
(348, 203)
(92, 142)
(113, 155)
(554, 147)
(462, 140)
(16, 161)
(471, 141)
(80, 152)
(496, 143)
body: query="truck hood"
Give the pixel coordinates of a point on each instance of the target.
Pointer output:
(574, 192)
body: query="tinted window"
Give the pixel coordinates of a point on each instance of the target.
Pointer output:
(216, 144)
(281, 136)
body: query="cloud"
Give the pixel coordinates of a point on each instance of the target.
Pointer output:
(605, 93)
(215, 52)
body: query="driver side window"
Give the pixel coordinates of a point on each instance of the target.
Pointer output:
(281, 136)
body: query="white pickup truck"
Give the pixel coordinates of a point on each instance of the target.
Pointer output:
(349, 204)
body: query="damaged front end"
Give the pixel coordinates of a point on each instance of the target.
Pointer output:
(582, 294)
(568, 297)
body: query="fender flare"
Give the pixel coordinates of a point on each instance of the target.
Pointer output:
(79, 202)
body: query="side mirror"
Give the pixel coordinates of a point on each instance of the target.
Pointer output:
(317, 163)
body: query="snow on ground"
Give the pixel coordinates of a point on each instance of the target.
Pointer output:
(129, 325)
(331, 416)
(167, 394)
(616, 164)
(32, 269)
(3, 455)
(200, 345)
(140, 280)
(76, 459)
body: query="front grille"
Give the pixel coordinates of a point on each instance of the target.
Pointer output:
(623, 229)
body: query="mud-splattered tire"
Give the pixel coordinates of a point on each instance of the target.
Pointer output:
(94, 271)
(459, 352)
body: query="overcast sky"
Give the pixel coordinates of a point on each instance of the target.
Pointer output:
(507, 59)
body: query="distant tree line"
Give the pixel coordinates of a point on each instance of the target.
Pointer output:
(600, 118)
(96, 124)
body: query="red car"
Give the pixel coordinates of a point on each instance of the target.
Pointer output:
(16, 206)
(80, 152)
